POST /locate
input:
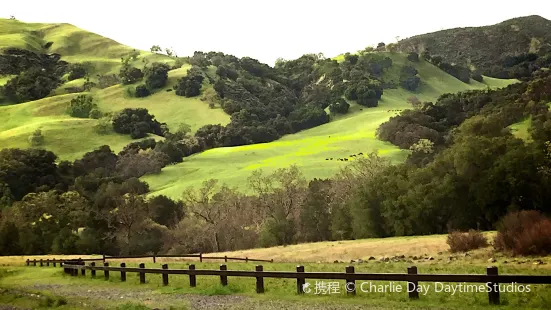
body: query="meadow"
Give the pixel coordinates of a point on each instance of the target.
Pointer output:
(281, 293)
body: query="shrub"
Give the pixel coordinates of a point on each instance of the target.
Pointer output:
(524, 233)
(95, 113)
(36, 138)
(130, 75)
(103, 126)
(81, 106)
(413, 56)
(465, 241)
(340, 106)
(142, 91)
(77, 71)
(156, 75)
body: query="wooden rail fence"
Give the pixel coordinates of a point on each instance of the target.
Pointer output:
(491, 278)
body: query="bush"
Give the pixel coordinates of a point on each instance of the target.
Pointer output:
(103, 126)
(156, 75)
(524, 233)
(142, 91)
(36, 138)
(130, 75)
(81, 106)
(414, 57)
(77, 71)
(465, 241)
(95, 113)
(341, 106)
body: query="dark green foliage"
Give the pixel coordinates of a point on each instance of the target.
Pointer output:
(477, 76)
(307, 117)
(190, 85)
(366, 93)
(81, 106)
(156, 75)
(130, 75)
(48, 45)
(166, 211)
(340, 106)
(37, 74)
(315, 218)
(25, 171)
(136, 122)
(409, 78)
(77, 71)
(142, 91)
(413, 57)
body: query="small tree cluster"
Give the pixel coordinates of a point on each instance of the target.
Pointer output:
(83, 106)
(190, 85)
(409, 78)
(156, 75)
(77, 71)
(136, 122)
(341, 106)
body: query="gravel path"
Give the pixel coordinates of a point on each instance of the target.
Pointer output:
(193, 301)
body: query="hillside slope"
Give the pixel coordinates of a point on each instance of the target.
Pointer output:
(350, 134)
(72, 43)
(484, 47)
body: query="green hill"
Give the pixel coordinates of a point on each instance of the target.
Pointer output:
(485, 47)
(72, 43)
(342, 137)
(310, 149)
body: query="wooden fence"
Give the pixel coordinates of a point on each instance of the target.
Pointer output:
(491, 278)
(104, 258)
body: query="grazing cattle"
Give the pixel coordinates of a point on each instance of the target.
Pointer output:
(346, 159)
(331, 158)
(327, 159)
(360, 153)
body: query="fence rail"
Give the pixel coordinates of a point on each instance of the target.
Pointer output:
(492, 278)
(153, 257)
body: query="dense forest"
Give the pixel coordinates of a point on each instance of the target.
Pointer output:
(466, 169)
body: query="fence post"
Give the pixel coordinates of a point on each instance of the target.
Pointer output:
(350, 283)
(123, 273)
(154, 260)
(412, 285)
(61, 264)
(83, 270)
(272, 260)
(48, 262)
(54, 262)
(103, 257)
(192, 278)
(93, 271)
(142, 274)
(225, 258)
(165, 275)
(106, 271)
(259, 280)
(34, 262)
(223, 279)
(200, 257)
(246, 259)
(300, 281)
(493, 293)
(28, 262)
(41, 263)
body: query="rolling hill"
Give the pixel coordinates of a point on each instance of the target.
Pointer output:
(343, 136)
(485, 47)
(71, 137)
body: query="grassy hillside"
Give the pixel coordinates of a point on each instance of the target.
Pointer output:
(71, 137)
(484, 47)
(309, 149)
(72, 43)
